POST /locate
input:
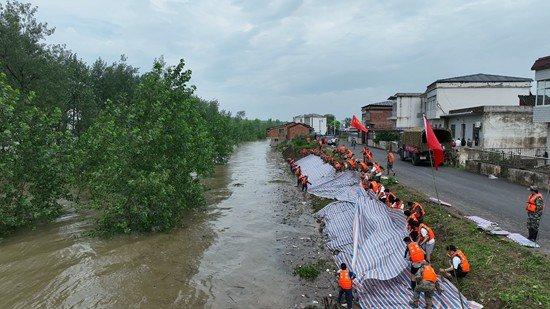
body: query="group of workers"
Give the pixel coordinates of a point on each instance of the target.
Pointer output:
(420, 242)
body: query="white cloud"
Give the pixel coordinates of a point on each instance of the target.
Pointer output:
(279, 58)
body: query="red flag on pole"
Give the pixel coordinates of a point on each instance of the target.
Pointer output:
(433, 144)
(358, 125)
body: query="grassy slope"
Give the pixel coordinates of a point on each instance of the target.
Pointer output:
(504, 274)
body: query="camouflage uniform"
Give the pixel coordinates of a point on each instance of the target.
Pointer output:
(423, 286)
(533, 219)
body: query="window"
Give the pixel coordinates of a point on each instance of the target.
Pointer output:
(543, 92)
(453, 130)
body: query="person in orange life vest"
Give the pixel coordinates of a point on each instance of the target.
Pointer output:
(415, 206)
(397, 204)
(338, 166)
(376, 187)
(376, 171)
(459, 265)
(390, 161)
(351, 163)
(411, 217)
(534, 207)
(300, 180)
(428, 283)
(298, 173)
(363, 167)
(416, 209)
(345, 282)
(305, 182)
(426, 237)
(415, 255)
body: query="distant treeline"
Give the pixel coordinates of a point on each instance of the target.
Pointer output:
(130, 146)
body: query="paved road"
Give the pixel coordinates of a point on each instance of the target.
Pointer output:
(495, 200)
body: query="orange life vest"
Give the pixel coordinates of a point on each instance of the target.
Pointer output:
(344, 280)
(375, 186)
(377, 168)
(298, 172)
(431, 234)
(416, 254)
(304, 180)
(351, 163)
(464, 264)
(428, 274)
(363, 166)
(391, 158)
(531, 205)
(418, 206)
(338, 166)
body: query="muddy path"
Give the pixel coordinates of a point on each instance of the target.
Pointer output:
(239, 252)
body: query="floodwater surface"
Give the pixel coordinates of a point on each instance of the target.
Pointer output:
(224, 256)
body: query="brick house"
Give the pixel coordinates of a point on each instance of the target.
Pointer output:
(378, 117)
(287, 131)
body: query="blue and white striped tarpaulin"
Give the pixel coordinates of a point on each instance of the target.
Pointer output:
(367, 235)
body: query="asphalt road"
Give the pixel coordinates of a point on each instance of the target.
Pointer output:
(496, 200)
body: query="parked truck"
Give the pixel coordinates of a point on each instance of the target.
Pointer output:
(413, 145)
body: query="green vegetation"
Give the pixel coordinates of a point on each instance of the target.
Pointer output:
(504, 274)
(292, 148)
(33, 152)
(387, 136)
(391, 180)
(318, 203)
(310, 271)
(133, 147)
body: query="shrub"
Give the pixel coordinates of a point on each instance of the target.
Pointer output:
(32, 162)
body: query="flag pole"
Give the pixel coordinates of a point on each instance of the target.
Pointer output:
(433, 176)
(431, 159)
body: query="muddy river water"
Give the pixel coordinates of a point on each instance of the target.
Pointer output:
(225, 256)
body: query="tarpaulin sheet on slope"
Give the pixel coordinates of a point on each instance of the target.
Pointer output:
(358, 222)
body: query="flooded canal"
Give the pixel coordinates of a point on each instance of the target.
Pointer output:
(229, 255)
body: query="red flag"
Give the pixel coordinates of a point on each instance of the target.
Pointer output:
(358, 125)
(433, 144)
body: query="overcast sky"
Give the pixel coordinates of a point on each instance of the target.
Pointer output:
(281, 58)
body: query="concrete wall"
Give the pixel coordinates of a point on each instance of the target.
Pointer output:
(469, 122)
(522, 177)
(542, 74)
(319, 125)
(503, 127)
(512, 129)
(451, 96)
(407, 109)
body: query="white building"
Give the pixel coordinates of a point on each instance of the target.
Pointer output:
(467, 91)
(498, 127)
(541, 111)
(407, 110)
(316, 121)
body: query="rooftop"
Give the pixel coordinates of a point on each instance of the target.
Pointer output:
(387, 103)
(405, 94)
(541, 64)
(311, 115)
(481, 78)
(478, 110)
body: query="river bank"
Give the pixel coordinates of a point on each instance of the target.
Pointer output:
(504, 274)
(241, 251)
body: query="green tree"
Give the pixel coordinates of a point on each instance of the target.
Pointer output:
(33, 167)
(142, 162)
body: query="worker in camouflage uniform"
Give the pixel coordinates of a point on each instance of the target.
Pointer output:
(427, 283)
(534, 207)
